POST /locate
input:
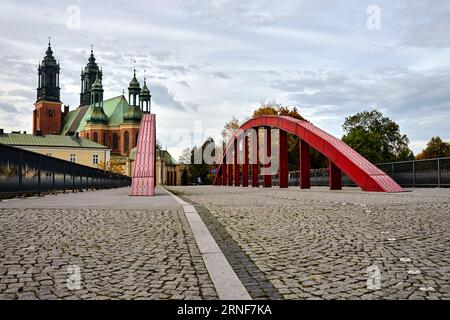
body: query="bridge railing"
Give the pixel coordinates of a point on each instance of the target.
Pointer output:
(27, 172)
(415, 173)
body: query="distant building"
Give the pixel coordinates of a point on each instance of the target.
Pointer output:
(74, 149)
(168, 171)
(113, 123)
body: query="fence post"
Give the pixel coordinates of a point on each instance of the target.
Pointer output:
(439, 172)
(64, 177)
(414, 173)
(39, 176)
(53, 175)
(20, 171)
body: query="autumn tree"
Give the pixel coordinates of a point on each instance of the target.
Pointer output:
(376, 137)
(113, 166)
(270, 108)
(230, 128)
(436, 148)
(185, 157)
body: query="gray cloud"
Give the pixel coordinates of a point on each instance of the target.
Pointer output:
(163, 97)
(428, 24)
(221, 75)
(318, 55)
(8, 107)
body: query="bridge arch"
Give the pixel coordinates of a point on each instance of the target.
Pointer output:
(342, 158)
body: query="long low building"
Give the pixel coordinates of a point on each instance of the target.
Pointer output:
(70, 148)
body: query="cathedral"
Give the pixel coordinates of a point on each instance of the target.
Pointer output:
(113, 122)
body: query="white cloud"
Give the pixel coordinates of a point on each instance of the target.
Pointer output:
(210, 60)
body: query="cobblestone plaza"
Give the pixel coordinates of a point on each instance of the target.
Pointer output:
(281, 243)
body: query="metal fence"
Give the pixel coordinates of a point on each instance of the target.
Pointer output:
(416, 173)
(23, 171)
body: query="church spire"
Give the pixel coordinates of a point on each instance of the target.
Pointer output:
(145, 96)
(48, 77)
(88, 76)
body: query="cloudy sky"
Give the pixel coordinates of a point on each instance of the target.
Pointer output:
(207, 61)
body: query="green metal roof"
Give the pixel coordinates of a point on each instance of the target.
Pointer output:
(168, 159)
(114, 109)
(17, 139)
(132, 155)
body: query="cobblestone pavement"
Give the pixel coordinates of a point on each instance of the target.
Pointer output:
(122, 254)
(321, 244)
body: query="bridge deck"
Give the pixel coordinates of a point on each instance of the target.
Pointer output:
(280, 243)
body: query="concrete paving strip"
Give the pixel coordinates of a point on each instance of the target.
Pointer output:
(227, 284)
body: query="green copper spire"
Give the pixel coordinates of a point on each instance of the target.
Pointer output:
(98, 114)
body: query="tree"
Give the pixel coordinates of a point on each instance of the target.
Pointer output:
(376, 138)
(113, 166)
(185, 157)
(230, 128)
(436, 148)
(273, 108)
(202, 170)
(184, 176)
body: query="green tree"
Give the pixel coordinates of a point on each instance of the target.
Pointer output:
(201, 170)
(375, 137)
(436, 148)
(184, 176)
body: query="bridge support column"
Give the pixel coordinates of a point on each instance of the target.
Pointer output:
(335, 176)
(283, 160)
(224, 171)
(245, 164)
(303, 150)
(219, 177)
(230, 174)
(255, 160)
(268, 145)
(237, 168)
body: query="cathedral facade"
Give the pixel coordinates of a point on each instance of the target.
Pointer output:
(113, 122)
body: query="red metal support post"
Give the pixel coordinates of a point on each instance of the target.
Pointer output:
(218, 181)
(224, 171)
(335, 176)
(268, 143)
(245, 164)
(283, 160)
(237, 168)
(255, 165)
(303, 150)
(230, 167)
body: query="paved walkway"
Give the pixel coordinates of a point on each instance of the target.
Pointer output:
(321, 244)
(99, 245)
(291, 244)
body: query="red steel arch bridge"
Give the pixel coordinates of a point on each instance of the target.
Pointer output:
(342, 158)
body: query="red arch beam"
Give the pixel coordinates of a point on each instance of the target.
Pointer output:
(366, 175)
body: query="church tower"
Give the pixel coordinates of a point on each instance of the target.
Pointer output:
(145, 98)
(47, 113)
(88, 77)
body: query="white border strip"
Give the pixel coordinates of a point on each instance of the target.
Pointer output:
(228, 285)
